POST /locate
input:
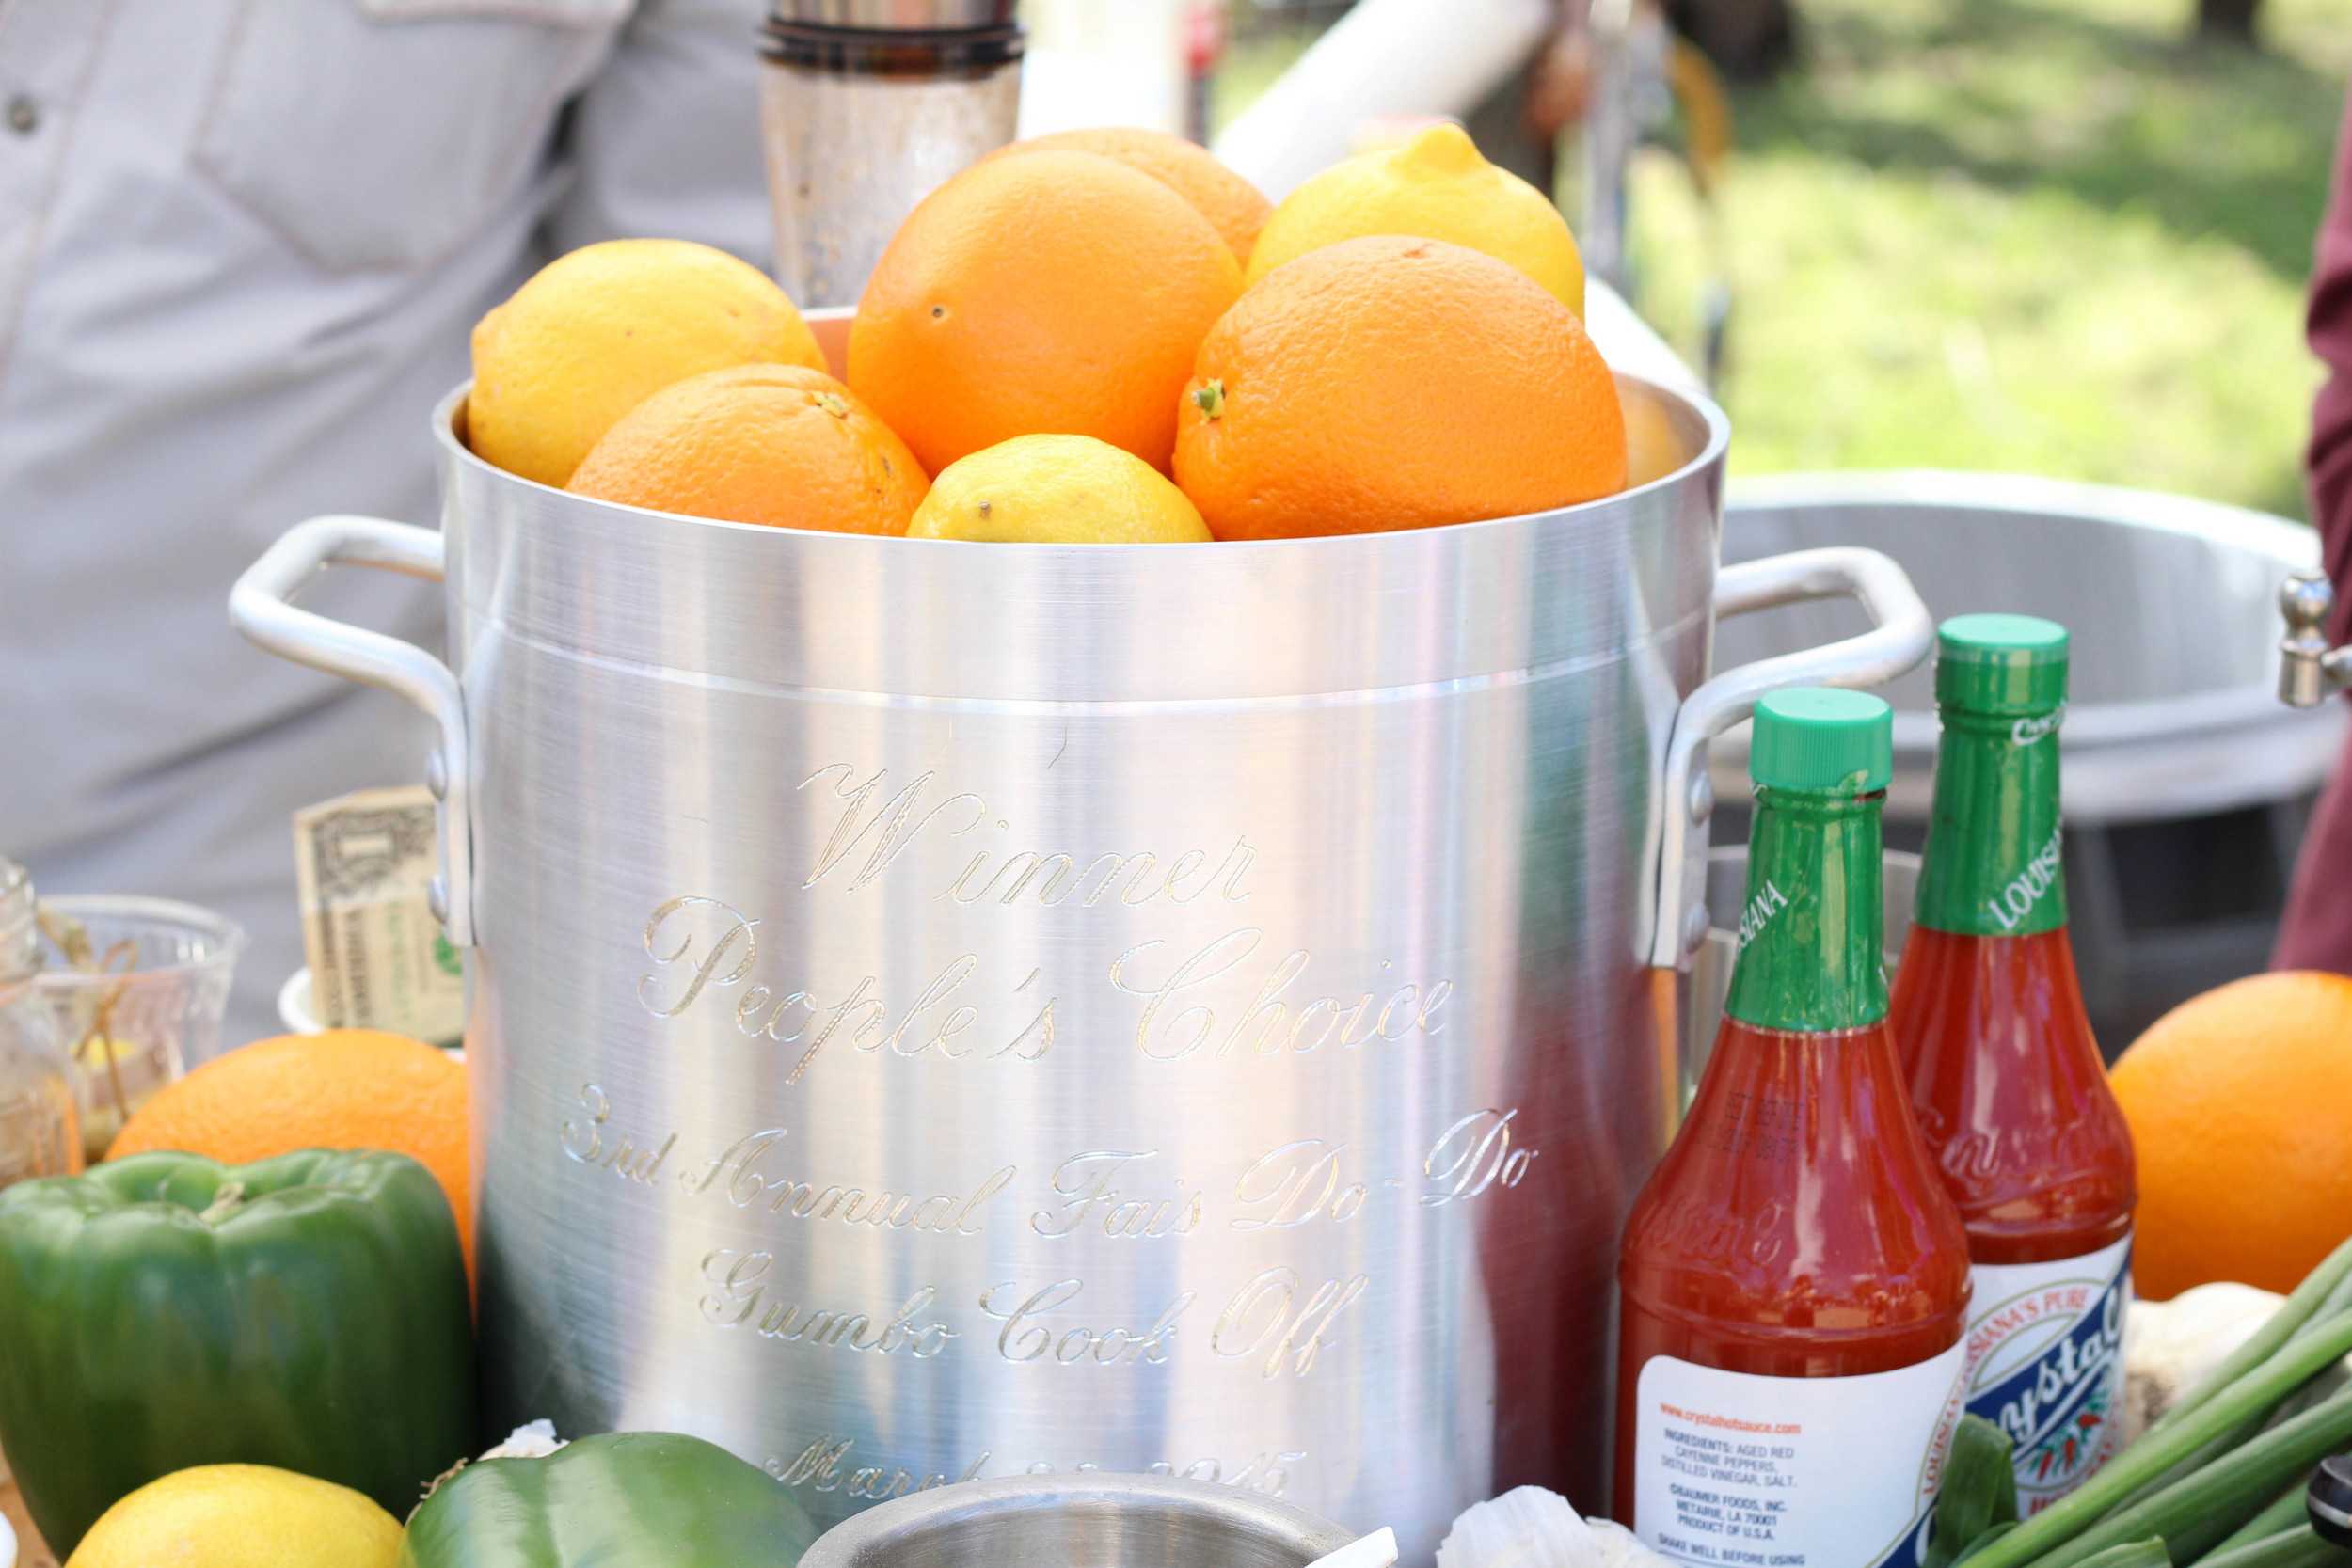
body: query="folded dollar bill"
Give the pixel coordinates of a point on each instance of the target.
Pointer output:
(378, 958)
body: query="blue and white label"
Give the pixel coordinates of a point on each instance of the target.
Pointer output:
(2045, 1365)
(1732, 1470)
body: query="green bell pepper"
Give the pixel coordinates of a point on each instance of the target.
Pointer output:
(628, 1500)
(164, 1310)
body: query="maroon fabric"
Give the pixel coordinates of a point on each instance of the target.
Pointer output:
(2317, 933)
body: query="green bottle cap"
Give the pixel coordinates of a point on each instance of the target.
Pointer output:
(2002, 666)
(1817, 738)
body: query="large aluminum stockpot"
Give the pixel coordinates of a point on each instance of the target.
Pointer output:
(944, 1010)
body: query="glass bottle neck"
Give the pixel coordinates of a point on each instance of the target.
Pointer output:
(1992, 865)
(1811, 928)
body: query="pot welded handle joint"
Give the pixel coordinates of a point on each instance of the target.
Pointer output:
(261, 606)
(1901, 633)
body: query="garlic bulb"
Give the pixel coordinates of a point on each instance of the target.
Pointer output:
(2170, 1346)
(1531, 1528)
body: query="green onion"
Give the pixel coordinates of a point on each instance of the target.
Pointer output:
(2329, 1285)
(1979, 1490)
(2290, 1549)
(1981, 1541)
(2051, 1534)
(2194, 1513)
(2132, 1554)
(2287, 1510)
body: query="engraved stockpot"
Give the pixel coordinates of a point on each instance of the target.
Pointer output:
(946, 1010)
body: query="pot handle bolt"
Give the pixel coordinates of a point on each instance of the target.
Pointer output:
(2308, 670)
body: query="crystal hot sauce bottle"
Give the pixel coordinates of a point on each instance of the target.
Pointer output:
(2006, 1078)
(1794, 1279)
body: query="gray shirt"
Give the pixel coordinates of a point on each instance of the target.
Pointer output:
(241, 244)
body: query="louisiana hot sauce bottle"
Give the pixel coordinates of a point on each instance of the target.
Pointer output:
(2006, 1078)
(1793, 1280)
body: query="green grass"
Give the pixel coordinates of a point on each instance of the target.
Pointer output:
(2053, 236)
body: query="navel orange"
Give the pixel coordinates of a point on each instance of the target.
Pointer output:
(1051, 294)
(347, 1088)
(1392, 383)
(1237, 208)
(776, 444)
(2244, 1151)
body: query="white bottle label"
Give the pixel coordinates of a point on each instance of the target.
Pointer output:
(1791, 1472)
(2045, 1364)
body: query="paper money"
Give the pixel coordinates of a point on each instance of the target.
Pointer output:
(378, 958)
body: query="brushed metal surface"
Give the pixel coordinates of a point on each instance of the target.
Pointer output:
(1088, 1521)
(946, 1010)
(1243, 1041)
(2173, 604)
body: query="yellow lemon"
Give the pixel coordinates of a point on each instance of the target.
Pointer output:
(1435, 186)
(597, 332)
(1653, 448)
(241, 1517)
(1055, 490)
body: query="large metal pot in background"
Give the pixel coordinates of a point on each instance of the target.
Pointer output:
(944, 1009)
(1093, 1521)
(2187, 783)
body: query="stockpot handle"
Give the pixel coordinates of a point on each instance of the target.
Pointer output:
(261, 606)
(1900, 637)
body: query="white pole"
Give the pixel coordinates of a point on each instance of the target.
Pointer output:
(1384, 57)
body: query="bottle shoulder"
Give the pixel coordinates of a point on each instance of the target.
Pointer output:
(2012, 1094)
(1797, 1194)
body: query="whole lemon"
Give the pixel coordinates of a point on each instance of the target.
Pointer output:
(1434, 187)
(241, 1517)
(598, 332)
(1055, 490)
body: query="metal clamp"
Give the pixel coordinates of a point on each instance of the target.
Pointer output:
(1902, 633)
(2308, 670)
(261, 606)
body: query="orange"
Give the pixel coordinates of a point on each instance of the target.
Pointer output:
(347, 1088)
(776, 444)
(2245, 1150)
(1237, 208)
(1391, 383)
(1053, 294)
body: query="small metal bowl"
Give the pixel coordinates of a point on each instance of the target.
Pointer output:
(1080, 1521)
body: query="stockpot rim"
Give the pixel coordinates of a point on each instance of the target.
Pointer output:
(455, 450)
(900, 1519)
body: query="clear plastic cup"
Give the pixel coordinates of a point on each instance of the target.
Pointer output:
(149, 1011)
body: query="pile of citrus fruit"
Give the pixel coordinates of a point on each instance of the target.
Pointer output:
(1103, 336)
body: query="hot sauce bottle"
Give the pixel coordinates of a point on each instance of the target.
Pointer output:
(1793, 1281)
(2005, 1076)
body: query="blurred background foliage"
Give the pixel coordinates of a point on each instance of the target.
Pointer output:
(2068, 237)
